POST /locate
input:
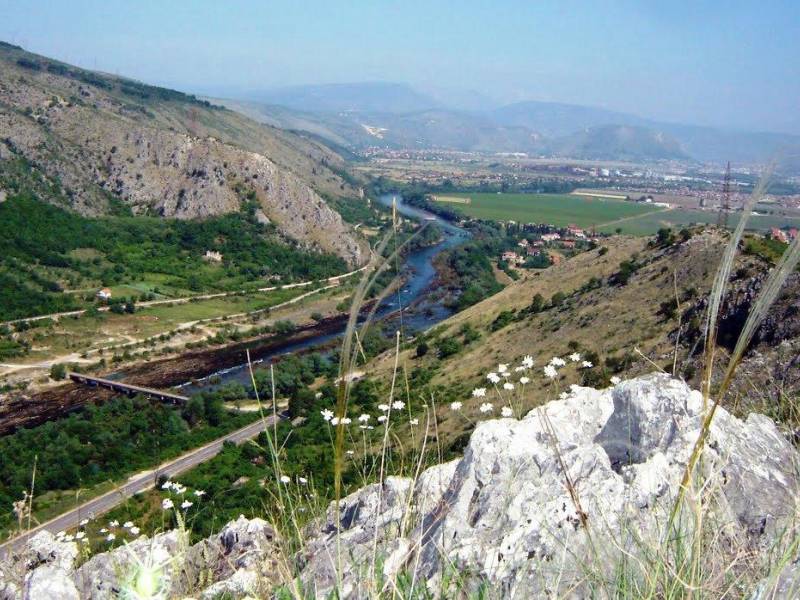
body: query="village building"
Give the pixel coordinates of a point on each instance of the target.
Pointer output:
(212, 256)
(104, 294)
(779, 235)
(575, 231)
(550, 237)
(512, 257)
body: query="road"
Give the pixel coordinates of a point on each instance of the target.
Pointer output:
(83, 357)
(137, 483)
(185, 299)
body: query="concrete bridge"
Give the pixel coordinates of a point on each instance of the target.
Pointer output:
(127, 388)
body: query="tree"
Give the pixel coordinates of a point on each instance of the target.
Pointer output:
(558, 298)
(664, 237)
(537, 304)
(422, 349)
(58, 371)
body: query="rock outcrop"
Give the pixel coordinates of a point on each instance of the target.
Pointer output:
(237, 563)
(544, 506)
(94, 144)
(504, 514)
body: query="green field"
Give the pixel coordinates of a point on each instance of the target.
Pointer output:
(605, 214)
(678, 218)
(554, 209)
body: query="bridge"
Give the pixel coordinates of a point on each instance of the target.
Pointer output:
(127, 388)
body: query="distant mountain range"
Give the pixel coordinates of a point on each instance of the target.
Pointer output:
(361, 115)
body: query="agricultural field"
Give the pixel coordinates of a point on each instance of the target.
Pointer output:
(605, 214)
(556, 209)
(648, 224)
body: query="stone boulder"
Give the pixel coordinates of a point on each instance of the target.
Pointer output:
(543, 505)
(238, 562)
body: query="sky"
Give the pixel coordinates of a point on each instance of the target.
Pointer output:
(722, 63)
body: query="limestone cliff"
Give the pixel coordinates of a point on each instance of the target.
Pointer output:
(90, 139)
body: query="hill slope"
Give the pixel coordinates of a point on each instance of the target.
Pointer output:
(624, 324)
(90, 141)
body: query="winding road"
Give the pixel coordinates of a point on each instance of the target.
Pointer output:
(137, 483)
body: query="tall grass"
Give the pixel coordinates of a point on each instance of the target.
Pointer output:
(697, 555)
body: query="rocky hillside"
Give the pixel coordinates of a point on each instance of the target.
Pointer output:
(616, 307)
(569, 501)
(90, 140)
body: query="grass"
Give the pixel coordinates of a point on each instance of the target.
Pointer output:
(555, 209)
(108, 329)
(605, 214)
(648, 224)
(691, 556)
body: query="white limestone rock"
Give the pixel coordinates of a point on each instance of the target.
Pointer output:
(506, 515)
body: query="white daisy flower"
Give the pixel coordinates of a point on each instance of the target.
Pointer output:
(586, 364)
(364, 418)
(455, 405)
(615, 380)
(347, 421)
(335, 421)
(382, 418)
(111, 537)
(199, 493)
(478, 392)
(502, 367)
(166, 504)
(507, 412)
(127, 524)
(557, 362)
(285, 479)
(414, 421)
(302, 480)
(134, 530)
(398, 405)
(550, 372)
(523, 380)
(327, 414)
(186, 504)
(527, 362)
(508, 386)
(80, 535)
(493, 377)
(383, 407)
(575, 357)
(486, 407)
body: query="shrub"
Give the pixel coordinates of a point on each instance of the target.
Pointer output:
(58, 371)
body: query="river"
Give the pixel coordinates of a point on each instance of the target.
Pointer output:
(410, 306)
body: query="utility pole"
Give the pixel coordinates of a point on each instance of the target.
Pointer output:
(725, 206)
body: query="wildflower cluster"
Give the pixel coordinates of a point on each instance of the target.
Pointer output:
(180, 490)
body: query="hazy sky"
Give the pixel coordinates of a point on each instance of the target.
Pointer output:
(726, 62)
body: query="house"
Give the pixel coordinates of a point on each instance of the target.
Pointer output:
(793, 233)
(575, 231)
(523, 243)
(533, 251)
(104, 294)
(511, 257)
(777, 234)
(550, 237)
(212, 256)
(568, 243)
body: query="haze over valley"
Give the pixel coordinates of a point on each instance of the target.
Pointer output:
(410, 300)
